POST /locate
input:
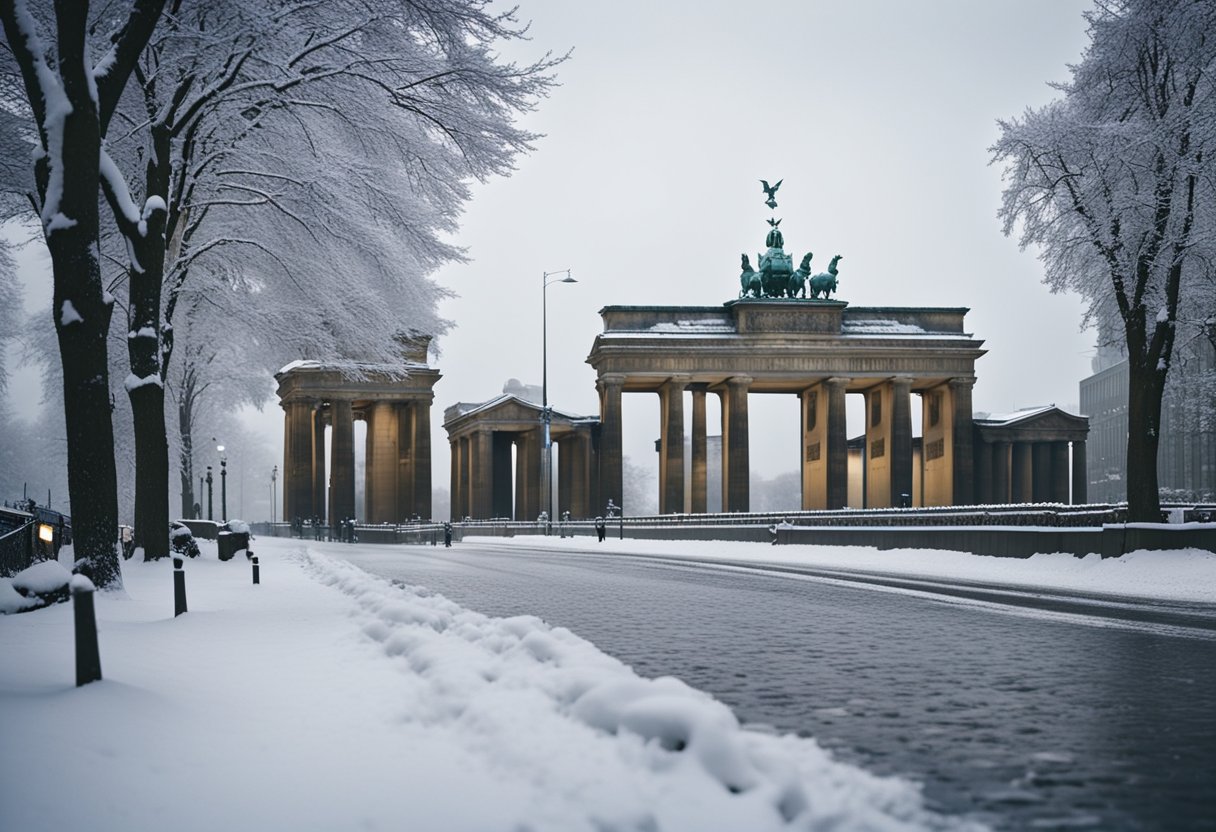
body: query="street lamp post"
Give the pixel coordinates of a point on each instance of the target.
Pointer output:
(210, 493)
(274, 495)
(223, 483)
(546, 483)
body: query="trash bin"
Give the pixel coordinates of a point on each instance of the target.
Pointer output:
(231, 542)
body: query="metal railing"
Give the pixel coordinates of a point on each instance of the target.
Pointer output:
(1046, 515)
(17, 549)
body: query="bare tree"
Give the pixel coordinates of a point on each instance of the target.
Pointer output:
(309, 160)
(71, 101)
(1114, 183)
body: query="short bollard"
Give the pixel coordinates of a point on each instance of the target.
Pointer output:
(257, 572)
(179, 588)
(88, 659)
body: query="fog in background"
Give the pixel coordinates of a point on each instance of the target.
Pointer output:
(877, 116)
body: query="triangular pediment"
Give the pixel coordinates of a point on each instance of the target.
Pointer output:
(505, 412)
(1037, 424)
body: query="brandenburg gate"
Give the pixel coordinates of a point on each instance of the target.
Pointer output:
(819, 350)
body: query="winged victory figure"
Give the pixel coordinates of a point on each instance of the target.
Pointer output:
(771, 192)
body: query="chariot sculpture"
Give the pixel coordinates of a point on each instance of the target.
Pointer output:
(775, 275)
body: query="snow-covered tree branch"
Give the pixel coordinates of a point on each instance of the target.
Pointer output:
(1111, 182)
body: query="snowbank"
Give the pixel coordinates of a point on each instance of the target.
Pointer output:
(329, 699)
(1177, 575)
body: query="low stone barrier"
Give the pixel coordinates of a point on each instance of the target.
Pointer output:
(1012, 541)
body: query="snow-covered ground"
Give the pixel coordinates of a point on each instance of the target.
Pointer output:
(328, 699)
(1176, 575)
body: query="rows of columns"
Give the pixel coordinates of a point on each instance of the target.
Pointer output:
(889, 443)
(1030, 472)
(397, 485)
(481, 475)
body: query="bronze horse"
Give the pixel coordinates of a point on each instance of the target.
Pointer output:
(825, 282)
(749, 280)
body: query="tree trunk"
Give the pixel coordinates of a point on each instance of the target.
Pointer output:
(92, 480)
(146, 386)
(186, 458)
(1145, 389)
(82, 319)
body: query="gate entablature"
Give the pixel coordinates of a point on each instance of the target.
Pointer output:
(819, 350)
(395, 402)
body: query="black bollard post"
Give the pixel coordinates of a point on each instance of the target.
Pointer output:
(88, 658)
(179, 588)
(257, 572)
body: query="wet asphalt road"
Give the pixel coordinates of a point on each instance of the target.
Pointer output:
(1023, 712)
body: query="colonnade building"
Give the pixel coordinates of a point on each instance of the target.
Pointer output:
(819, 351)
(394, 401)
(497, 461)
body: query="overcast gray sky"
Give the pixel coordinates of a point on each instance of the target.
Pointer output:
(877, 115)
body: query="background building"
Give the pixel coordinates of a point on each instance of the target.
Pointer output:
(1186, 456)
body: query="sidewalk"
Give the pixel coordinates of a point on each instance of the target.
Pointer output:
(327, 699)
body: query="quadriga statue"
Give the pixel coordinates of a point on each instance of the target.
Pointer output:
(825, 282)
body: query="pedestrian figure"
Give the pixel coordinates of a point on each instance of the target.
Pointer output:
(126, 535)
(447, 535)
(600, 528)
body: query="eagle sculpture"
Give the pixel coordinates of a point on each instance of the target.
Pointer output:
(771, 192)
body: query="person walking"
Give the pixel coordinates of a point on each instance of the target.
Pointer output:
(447, 535)
(600, 528)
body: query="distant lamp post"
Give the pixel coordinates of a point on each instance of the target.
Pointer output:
(274, 493)
(546, 482)
(210, 493)
(223, 483)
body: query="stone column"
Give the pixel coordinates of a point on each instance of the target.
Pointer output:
(342, 453)
(481, 470)
(454, 481)
(700, 456)
(1080, 475)
(838, 443)
(671, 445)
(528, 463)
(466, 477)
(565, 475)
(963, 439)
(1041, 471)
(1059, 472)
(1001, 490)
(579, 446)
(297, 461)
(901, 439)
(736, 465)
(318, 463)
(383, 457)
(404, 508)
(983, 473)
(422, 459)
(611, 458)
(1022, 490)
